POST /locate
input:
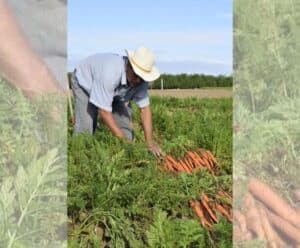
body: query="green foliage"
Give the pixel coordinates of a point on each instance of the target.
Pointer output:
(32, 171)
(179, 233)
(186, 81)
(122, 188)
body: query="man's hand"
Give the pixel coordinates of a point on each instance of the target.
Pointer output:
(155, 150)
(111, 124)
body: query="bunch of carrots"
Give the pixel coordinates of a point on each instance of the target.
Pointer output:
(207, 208)
(192, 161)
(265, 215)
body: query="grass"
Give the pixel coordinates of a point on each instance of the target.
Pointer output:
(119, 195)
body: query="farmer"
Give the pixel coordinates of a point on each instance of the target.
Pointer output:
(105, 84)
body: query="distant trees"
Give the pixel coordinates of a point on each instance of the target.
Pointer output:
(190, 81)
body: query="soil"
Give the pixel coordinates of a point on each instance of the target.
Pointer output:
(198, 93)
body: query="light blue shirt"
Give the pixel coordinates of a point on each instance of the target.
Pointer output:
(103, 76)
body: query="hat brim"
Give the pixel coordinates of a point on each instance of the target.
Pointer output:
(146, 76)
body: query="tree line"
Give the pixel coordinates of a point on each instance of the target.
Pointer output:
(189, 81)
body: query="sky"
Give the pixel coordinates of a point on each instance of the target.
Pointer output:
(186, 36)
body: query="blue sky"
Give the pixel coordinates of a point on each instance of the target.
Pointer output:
(191, 36)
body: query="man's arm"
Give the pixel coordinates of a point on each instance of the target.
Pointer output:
(111, 124)
(146, 117)
(19, 64)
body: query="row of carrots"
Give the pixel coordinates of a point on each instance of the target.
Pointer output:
(267, 216)
(192, 161)
(206, 209)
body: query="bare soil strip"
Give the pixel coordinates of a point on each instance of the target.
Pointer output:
(198, 93)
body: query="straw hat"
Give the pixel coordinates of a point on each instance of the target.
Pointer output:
(142, 62)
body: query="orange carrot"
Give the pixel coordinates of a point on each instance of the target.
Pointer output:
(174, 164)
(241, 219)
(284, 226)
(205, 204)
(270, 233)
(252, 217)
(197, 208)
(199, 159)
(188, 164)
(169, 165)
(207, 157)
(221, 210)
(212, 157)
(180, 168)
(186, 169)
(192, 156)
(272, 200)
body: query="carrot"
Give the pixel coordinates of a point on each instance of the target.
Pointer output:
(168, 166)
(197, 208)
(195, 160)
(284, 226)
(180, 167)
(207, 157)
(270, 233)
(272, 200)
(186, 169)
(225, 195)
(241, 219)
(206, 162)
(205, 203)
(174, 164)
(187, 162)
(201, 161)
(207, 165)
(237, 234)
(221, 210)
(170, 158)
(252, 217)
(212, 157)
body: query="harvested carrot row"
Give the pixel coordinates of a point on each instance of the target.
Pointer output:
(224, 194)
(222, 210)
(199, 158)
(186, 169)
(211, 157)
(241, 219)
(270, 233)
(197, 208)
(187, 161)
(207, 158)
(273, 201)
(188, 165)
(195, 160)
(205, 203)
(284, 226)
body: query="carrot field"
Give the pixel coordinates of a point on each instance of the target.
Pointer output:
(120, 195)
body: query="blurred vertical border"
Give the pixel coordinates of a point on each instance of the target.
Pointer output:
(33, 138)
(266, 107)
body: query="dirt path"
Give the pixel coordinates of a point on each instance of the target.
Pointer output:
(199, 93)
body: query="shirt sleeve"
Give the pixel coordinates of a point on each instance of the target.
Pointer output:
(141, 97)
